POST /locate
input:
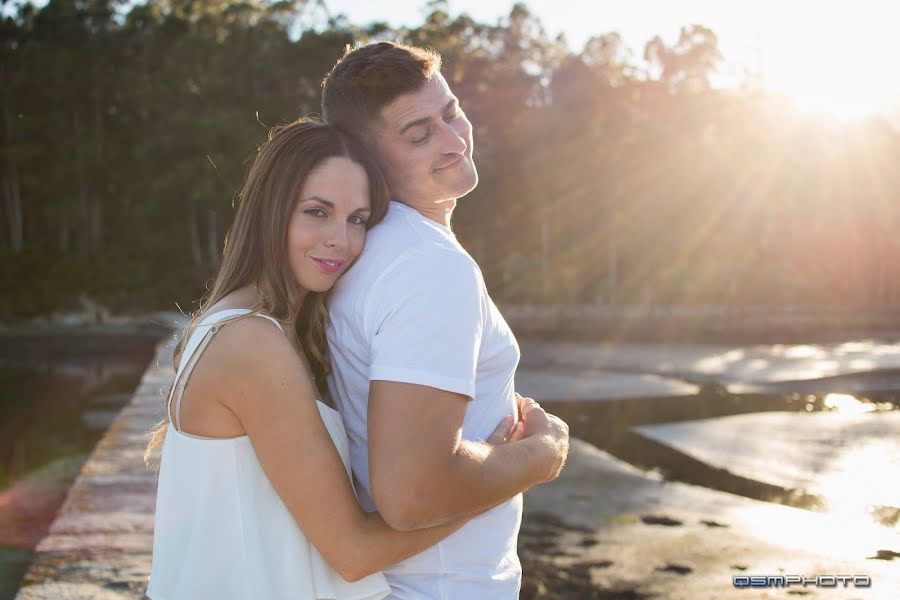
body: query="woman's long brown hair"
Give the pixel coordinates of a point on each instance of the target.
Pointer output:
(256, 245)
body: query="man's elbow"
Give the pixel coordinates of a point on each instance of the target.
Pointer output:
(401, 511)
(354, 568)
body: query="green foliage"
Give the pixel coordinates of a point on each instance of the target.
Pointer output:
(125, 138)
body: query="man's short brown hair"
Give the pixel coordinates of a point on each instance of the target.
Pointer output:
(367, 78)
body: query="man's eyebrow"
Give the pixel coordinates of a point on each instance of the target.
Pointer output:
(425, 120)
(327, 203)
(411, 124)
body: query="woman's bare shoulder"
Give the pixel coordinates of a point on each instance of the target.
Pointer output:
(251, 340)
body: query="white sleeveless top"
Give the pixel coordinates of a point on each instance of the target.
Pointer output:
(221, 532)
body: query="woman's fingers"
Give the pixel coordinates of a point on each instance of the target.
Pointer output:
(525, 404)
(503, 431)
(517, 433)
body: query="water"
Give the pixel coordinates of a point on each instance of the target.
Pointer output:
(616, 426)
(58, 394)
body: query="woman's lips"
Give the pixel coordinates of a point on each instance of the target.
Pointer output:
(329, 266)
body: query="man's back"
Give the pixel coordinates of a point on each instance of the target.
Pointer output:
(414, 309)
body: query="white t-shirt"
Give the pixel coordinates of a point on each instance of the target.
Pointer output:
(415, 309)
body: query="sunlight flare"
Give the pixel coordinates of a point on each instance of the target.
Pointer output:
(847, 404)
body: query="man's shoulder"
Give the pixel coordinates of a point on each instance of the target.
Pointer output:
(440, 260)
(391, 239)
(404, 242)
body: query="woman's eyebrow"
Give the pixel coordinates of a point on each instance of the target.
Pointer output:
(327, 203)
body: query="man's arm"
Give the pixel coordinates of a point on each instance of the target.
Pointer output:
(422, 473)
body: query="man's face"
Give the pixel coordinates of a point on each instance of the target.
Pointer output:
(424, 142)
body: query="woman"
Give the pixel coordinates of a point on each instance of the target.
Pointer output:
(255, 498)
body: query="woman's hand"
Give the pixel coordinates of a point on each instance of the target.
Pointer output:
(510, 430)
(504, 431)
(535, 421)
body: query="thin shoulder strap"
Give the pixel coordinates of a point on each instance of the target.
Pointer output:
(196, 344)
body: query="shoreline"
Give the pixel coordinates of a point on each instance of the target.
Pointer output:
(701, 325)
(564, 323)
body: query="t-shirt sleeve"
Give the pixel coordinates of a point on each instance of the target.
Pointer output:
(427, 323)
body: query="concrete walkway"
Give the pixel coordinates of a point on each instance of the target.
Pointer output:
(99, 546)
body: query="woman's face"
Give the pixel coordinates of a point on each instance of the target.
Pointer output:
(327, 228)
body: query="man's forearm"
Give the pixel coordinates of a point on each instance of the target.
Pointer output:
(477, 477)
(422, 473)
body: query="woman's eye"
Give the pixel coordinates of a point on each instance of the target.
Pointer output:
(316, 212)
(358, 220)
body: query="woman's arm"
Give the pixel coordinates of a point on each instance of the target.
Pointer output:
(395, 545)
(263, 382)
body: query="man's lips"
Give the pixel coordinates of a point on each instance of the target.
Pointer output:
(329, 265)
(452, 164)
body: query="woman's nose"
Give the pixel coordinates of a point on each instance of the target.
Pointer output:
(336, 237)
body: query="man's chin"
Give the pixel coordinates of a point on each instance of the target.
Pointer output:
(469, 182)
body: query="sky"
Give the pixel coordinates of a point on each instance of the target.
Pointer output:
(836, 57)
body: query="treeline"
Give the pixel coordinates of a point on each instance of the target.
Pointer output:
(604, 178)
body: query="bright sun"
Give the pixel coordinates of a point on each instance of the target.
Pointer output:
(851, 92)
(839, 64)
(842, 103)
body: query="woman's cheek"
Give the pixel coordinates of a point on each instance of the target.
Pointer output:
(302, 234)
(358, 241)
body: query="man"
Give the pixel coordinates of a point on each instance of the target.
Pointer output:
(423, 361)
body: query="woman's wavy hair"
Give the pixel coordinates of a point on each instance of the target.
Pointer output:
(256, 244)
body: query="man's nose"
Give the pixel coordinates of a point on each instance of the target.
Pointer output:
(454, 138)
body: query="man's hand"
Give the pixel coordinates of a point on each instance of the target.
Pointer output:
(553, 432)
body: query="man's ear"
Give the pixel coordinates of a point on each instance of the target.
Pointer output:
(371, 135)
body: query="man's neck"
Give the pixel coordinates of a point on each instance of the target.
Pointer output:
(439, 212)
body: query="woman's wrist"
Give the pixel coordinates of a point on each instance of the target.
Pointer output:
(542, 459)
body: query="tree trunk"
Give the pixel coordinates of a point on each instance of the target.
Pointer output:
(212, 237)
(11, 191)
(196, 251)
(96, 223)
(64, 232)
(13, 210)
(97, 197)
(545, 258)
(84, 207)
(84, 239)
(612, 268)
